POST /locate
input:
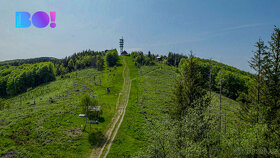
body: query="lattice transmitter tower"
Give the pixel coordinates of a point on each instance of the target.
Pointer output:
(121, 45)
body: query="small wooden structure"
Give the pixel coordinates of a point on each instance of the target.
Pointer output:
(159, 58)
(82, 115)
(124, 53)
(95, 108)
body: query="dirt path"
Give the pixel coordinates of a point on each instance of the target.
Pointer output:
(118, 117)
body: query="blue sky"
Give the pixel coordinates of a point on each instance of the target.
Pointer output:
(224, 30)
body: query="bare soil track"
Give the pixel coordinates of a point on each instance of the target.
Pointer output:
(116, 121)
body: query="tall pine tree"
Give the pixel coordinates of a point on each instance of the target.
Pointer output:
(251, 109)
(190, 111)
(271, 74)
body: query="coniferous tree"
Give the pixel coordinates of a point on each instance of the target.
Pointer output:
(190, 111)
(271, 73)
(262, 109)
(189, 87)
(251, 109)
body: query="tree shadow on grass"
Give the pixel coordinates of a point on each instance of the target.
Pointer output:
(101, 120)
(96, 138)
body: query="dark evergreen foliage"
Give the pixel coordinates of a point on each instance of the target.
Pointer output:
(189, 87)
(174, 59)
(141, 59)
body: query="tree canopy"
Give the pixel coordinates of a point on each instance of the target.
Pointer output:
(17, 79)
(112, 57)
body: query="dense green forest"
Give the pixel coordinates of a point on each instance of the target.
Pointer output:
(17, 79)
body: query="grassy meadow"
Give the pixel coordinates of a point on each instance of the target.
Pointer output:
(44, 121)
(150, 97)
(153, 89)
(32, 126)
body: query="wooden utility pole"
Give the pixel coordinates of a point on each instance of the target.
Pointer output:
(209, 112)
(225, 123)
(86, 118)
(258, 87)
(137, 89)
(210, 78)
(220, 98)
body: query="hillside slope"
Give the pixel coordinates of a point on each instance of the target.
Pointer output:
(44, 121)
(34, 127)
(150, 97)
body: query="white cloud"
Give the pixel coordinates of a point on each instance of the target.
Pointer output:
(240, 27)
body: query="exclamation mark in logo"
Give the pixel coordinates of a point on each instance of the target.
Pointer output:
(53, 14)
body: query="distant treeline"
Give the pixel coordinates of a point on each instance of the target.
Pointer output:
(18, 62)
(234, 81)
(80, 60)
(17, 79)
(16, 76)
(143, 59)
(174, 59)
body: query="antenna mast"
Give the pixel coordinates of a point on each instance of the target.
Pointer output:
(121, 45)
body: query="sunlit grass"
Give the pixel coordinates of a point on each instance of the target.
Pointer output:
(47, 129)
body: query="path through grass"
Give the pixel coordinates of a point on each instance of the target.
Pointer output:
(118, 117)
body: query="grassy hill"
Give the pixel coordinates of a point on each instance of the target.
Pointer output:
(32, 126)
(44, 120)
(150, 97)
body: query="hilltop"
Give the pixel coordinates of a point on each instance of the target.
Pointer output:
(45, 118)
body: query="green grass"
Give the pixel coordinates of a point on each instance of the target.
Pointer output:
(154, 89)
(130, 137)
(133, 70)
(155, 92)
(47, 129)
